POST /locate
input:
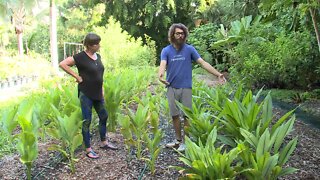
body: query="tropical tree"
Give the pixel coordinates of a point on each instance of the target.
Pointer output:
(304, 7)
(17, 10)
(151, 17)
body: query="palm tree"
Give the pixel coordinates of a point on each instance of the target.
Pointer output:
(17, 10)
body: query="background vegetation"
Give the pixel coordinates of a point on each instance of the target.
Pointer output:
(256, 43)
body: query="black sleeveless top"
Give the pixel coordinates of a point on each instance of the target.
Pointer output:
(91, 72)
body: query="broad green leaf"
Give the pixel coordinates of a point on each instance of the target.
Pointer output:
(284, 130)
(286, 171)
(249, 137)
(281, 120)
(267, 110)
(271, 162)
(287, 150)
(263, 144)
(77, 141)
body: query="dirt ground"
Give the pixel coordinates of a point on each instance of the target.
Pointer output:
(120, 164)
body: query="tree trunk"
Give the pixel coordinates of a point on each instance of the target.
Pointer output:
(53, 37)
(315, 26)
(20, 42)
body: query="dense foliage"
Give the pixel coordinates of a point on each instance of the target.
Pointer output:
(283, 61)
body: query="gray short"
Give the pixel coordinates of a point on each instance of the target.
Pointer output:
(182, 95)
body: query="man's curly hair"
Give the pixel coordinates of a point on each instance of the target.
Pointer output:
(172, 31)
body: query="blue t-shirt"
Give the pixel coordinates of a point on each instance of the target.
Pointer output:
(179, 65)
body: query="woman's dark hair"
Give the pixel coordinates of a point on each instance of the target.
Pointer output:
(91, 39)
(172, 31)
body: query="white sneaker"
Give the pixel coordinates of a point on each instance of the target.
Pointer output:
(182, 147)
(173, 144)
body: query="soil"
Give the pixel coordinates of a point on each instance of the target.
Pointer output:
(121, 164)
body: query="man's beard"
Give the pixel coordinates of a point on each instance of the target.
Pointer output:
(179, 42)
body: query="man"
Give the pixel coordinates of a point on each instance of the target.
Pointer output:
(177, 59)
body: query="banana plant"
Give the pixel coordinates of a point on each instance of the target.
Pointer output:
(208, 162)
(237, 31)
(269, 153)
(66, 129)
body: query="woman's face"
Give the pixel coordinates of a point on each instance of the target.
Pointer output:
(95, 47)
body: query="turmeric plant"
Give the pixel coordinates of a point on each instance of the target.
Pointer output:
(67, 129)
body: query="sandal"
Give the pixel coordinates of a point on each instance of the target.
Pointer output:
(92, 155)
(109, 146)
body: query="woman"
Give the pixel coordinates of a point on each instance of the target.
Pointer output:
(90, 89)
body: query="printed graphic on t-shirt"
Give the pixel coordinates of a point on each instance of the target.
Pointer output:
(178, 58)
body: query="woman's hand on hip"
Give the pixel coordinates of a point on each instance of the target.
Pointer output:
(79, 79)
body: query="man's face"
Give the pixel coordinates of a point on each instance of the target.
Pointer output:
(179, 36)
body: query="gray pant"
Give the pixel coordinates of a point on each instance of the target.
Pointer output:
(182, 95)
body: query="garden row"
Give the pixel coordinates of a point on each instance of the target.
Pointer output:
(232, 134)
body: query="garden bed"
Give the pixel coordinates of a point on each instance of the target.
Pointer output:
(118, 164)
(121, 164)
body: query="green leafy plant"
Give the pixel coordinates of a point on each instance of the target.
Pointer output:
(139, 122)
(125, 129)
(208, 162)
(244, 114)
(153, 135)
(27, 145)
(201, 122)
(121, 87)
(248, 113)
(67, 130)
(122, 50)
(262, 62)
(298, 97)
(143, 128)
(201, 38)
(270, 153)
(113, 97)
(153, 144)
(237, 31)
(9, 120)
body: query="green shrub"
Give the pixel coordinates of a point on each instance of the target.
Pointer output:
(33, 64)
(283, 62)
(39, 40)
(201, 38)
(205, 161)
(119, 49)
